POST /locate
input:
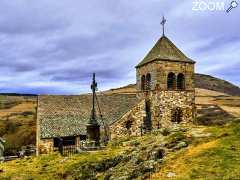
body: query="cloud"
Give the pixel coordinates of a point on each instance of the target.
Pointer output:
(54, 46)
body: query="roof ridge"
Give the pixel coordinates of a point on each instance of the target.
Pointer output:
(175, 47)
(165, 49)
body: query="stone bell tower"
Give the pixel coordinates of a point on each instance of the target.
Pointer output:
(165, 79)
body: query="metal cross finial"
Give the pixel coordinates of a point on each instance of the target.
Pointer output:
(163, 23)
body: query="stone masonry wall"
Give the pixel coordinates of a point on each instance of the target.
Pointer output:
(159, 71)
(163, 102)
(45, 146)
(132, 119)
(162, 105)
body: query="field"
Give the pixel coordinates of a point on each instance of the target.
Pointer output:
(17, 121)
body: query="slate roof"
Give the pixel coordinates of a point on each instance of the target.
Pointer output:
(164, 50)
(63, 115)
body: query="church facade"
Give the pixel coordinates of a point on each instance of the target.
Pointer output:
(165, 85)
(164, 97)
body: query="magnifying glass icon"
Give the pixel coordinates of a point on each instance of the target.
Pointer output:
(233, 4)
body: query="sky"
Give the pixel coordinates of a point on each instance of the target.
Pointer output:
(54, 46)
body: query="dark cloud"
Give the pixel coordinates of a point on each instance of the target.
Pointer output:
(53, 47)
(25, 17)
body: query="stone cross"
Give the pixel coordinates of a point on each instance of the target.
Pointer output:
(163, 22)
(93, 115)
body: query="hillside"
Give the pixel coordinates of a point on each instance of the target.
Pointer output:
(17, 121)
(182, 152)
(212, 83)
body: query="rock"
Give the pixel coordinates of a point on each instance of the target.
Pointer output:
(61, 161)
(181, 145)
(157, 154)
(201, 135)
(171, 174)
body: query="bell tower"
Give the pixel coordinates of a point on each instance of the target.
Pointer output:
(165, 79)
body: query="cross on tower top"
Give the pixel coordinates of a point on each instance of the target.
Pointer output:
(163, 22)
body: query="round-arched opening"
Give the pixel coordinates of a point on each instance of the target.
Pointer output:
(143, 81)
(177, 115)
(148, 81)
(171, 81)
(180, 82)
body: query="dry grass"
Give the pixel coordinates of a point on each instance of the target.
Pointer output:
(196, 150)
(216, 157)
(206, 92)
(17, 121)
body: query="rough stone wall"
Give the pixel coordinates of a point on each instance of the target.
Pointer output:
(159, 71)
(162, 105)
(45, 146)
(164, 102)
(135, 116)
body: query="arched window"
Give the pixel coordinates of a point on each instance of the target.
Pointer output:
(143, 82)
(171, 81)
(148, 82)
(148, 118)
(180, 82)
(177, 115)
(128, 124)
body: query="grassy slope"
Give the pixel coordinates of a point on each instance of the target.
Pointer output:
(216, 156)
(17, 121)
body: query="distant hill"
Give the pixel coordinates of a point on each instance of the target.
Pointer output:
(202, 81)
(212, 83)
(16, 94)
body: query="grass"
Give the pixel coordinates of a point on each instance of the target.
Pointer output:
(56, 167)
(212, 157)
(217, 157)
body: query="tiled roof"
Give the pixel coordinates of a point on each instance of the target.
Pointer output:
(68, 115)
(164, 50)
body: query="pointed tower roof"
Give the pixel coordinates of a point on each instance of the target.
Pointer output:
(164, 50)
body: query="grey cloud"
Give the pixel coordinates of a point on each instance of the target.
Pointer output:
(25, 17)
(65, 41)
(217, 43)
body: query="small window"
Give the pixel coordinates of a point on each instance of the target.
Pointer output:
(148, 118)
(128, 125)
(180, 82)
(171, 81)
(143, 83)
(177, 115)
(148, 82)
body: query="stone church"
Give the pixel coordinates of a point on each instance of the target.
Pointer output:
(164, 96)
